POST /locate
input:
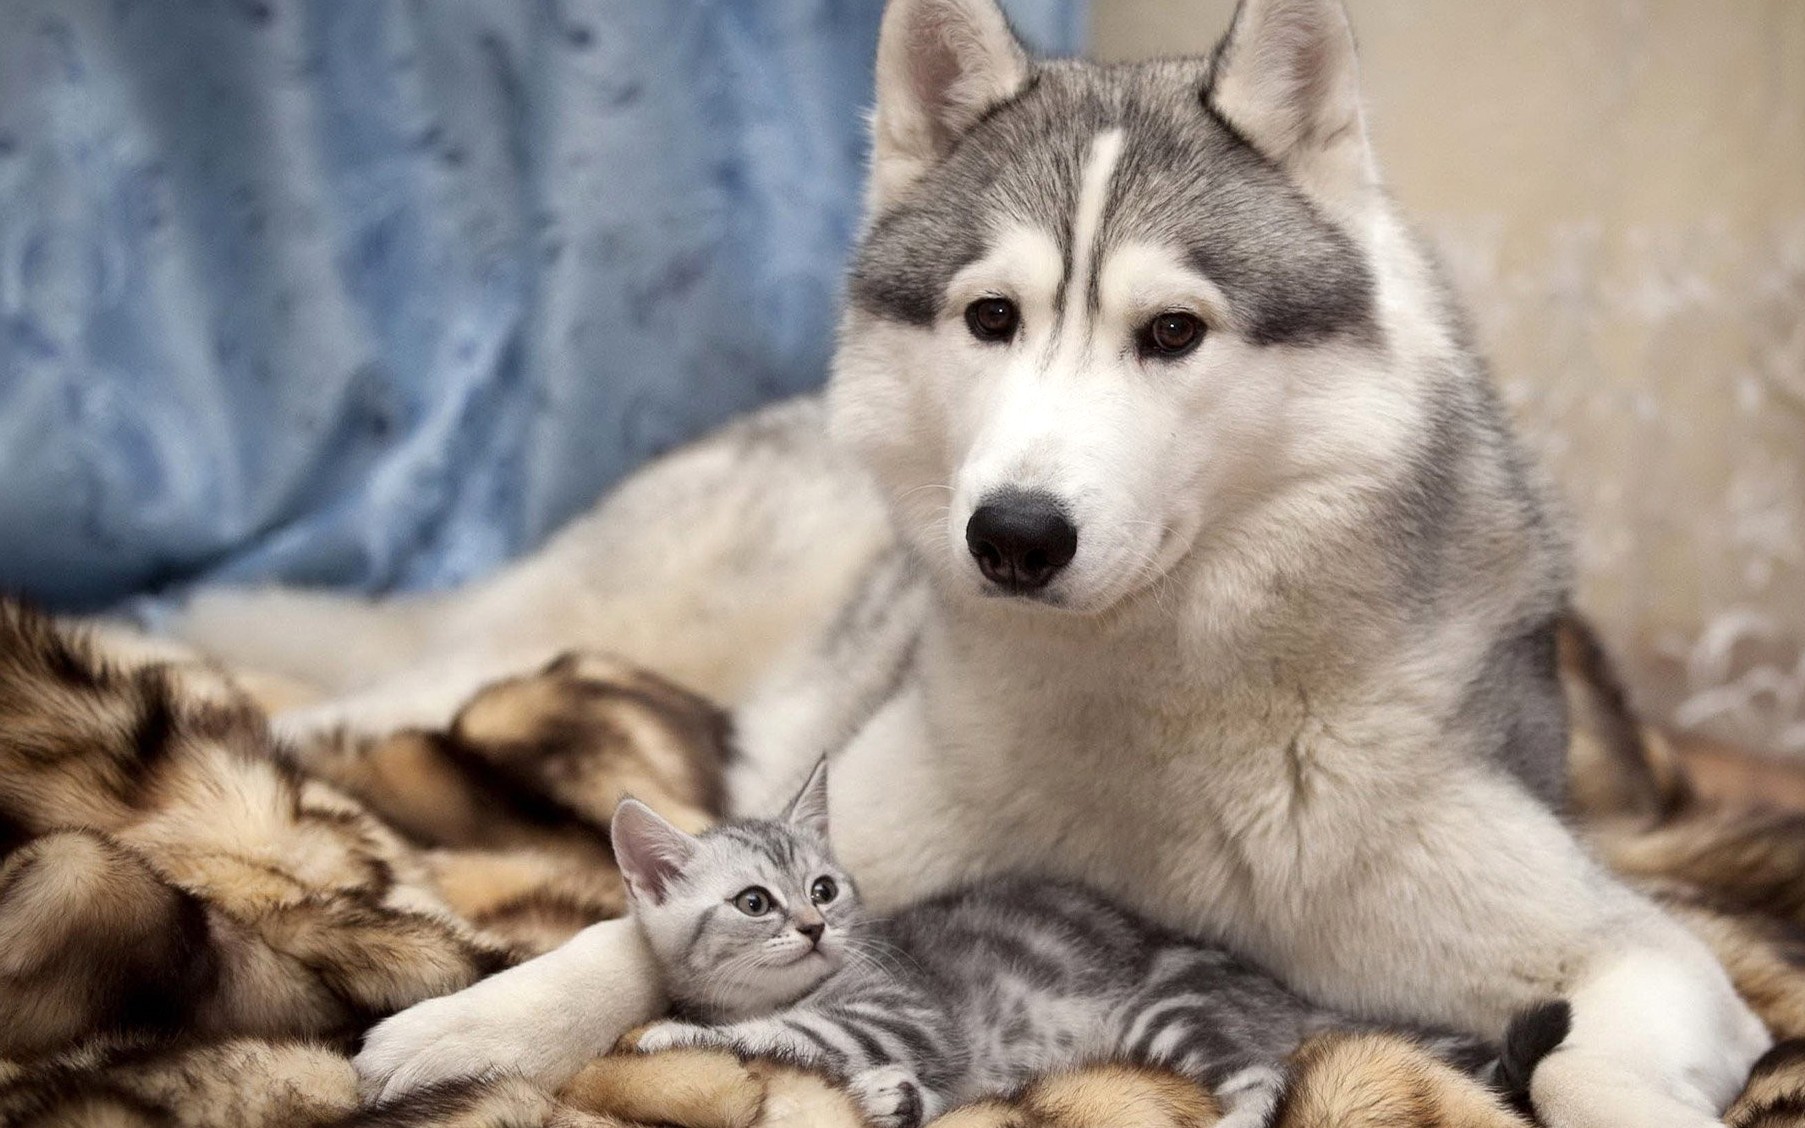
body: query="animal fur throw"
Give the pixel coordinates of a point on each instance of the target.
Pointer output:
(196, 921)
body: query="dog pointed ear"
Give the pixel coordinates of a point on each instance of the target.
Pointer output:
(940, 65)
(809, 809)
(649, 850)
(1287, 79)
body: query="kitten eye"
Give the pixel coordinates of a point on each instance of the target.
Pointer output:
(824, 890)
(754, 902)
(992, 319)
(1171, 335)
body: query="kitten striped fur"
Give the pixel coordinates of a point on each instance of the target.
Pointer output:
(967, 995)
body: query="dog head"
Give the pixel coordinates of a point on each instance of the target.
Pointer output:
(1099, 312)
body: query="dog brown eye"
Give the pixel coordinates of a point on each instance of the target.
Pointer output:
(1171, 335)
(992, 319)
(753, 902)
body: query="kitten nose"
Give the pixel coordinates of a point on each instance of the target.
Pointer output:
(813, 931)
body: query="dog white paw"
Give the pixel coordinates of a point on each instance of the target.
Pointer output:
(474, 1033)
(542, 1020)
(890, 1095)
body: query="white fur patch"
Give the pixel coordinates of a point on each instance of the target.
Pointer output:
(1138, 280)
(1087, 218)
(1667, 1024)
(1022, 264)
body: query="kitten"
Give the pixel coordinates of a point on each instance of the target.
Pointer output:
(763, 949)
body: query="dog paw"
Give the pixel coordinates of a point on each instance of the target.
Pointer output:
(476, 1032)
(437, 1040)
(890, 1095)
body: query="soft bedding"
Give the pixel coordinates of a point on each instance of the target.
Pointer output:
(197, 920)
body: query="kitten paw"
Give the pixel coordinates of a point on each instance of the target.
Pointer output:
(668, 1036)
(890, 1095)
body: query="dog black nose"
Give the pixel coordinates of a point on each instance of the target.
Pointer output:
(812, 931)
(1021, 540)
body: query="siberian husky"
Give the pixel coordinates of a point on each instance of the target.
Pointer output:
(1159, 530)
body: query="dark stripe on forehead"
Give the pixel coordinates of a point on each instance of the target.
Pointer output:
(1061, 223)
(1020, 163)
(773, 841)
(908, 260)
(1083, 227)
(1067, 263)
(1290, 276)
(1183, 178)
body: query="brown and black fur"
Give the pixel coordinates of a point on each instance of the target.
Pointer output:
(181, 899)
(196, 921)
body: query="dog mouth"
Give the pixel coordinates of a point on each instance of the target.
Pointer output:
(1079, 599)
(1040, 597)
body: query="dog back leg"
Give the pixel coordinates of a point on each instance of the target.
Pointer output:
(705, 567)
(331, 641)
(1659, 1039)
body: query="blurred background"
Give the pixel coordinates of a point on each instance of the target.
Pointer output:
(377, 293)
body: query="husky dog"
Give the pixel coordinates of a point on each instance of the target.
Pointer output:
(1170, 540)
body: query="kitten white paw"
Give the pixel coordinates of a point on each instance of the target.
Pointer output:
(890, 1095)
(669, 1035)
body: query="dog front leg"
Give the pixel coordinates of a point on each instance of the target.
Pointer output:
(544, 1019)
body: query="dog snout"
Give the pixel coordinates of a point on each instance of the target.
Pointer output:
(1021, 539)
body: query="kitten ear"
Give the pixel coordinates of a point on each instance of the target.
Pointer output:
(649, 850)
(1286, 77)
(809, 809)
(940, 65)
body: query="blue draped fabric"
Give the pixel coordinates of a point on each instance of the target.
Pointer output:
(377, 293)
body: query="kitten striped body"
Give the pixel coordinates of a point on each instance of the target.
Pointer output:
(970, 994)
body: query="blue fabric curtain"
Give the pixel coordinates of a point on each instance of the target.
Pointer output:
(376, 292)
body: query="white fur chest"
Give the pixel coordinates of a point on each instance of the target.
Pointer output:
(1222, 810)
(1307, 830)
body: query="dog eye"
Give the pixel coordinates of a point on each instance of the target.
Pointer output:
(1171, 335)
(824, 890)
(754, 902)
(992, 319)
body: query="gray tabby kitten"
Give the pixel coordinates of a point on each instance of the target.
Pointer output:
(759, 937)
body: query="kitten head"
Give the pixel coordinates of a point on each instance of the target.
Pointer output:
(746, 917)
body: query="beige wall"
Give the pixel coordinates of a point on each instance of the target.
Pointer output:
(1619, 188)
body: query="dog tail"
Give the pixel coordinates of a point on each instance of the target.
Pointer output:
(1616, 767)
(1531, 1036)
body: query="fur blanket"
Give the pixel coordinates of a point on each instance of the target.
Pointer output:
(196, 921)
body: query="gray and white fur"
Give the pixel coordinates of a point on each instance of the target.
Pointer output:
(969, 994)
(1206, 541)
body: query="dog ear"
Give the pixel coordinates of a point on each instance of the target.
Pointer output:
(1287, 79)
(649, 850)
(809, 808)
(940, 65)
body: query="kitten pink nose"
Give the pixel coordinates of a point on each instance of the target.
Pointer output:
(813, 931)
